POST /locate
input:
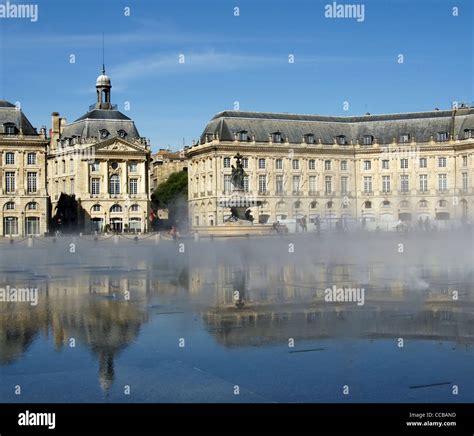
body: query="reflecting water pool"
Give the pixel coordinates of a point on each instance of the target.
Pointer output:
(271, 320)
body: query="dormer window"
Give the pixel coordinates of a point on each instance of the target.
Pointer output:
(276, 137)
(367, 139)
(404, 138)
(341, 140)
(104, 133)
(309, 138)
(468, 133)
(442, 136)
(122, 133)
(9, 128)
(243, 135)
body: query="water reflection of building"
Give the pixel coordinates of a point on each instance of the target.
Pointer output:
(89, 308)
(280, 302)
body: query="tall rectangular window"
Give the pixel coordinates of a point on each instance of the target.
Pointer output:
(261, 164)
(312, 164)
(327, 165)
(328, 185)
(464, 181)
(424, 182)
(227, 162)
(344, 185)
(385, 164)
(386, 184)
(31, 158)
(10, 181)
(442, 162)
(279, 184)
(343, 165)
(246, 183)
(245, 162)
(133, 167)
(423, 162)
(31, 182)
(464, 161)
(403, 164)
(367, 164)
(279, 164)
(133, 186)
(368, 184)
(296, 184)
(404, 183)
(442, 182)
(94, 167)
(114, 184)
(262, 184)
(227, 184)
(95, 186)
(9, 158)
(312, 184)
(296, 164)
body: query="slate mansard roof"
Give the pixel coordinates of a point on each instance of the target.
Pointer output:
(9, 114)
(421, 126)
(91, 123)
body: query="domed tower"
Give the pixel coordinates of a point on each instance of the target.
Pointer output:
(103, 86)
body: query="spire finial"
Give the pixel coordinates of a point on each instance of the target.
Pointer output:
(103, 53)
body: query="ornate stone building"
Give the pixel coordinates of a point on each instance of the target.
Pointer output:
(375, 169)
(23, 196)
(102, 160)
(163, 164)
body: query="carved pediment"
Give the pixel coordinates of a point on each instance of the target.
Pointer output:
(119, 145)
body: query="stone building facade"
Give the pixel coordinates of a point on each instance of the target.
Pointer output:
(163, 164)
(23, 196)
(378, 170)
(102, 160)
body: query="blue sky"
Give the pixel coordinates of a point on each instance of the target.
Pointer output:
(230, 58)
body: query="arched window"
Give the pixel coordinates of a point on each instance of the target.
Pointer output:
(423, 203)
(116, 208)
(442, 203)
(368, 205)
(32, 206)
(96, 208)
(314, 204)
(134, 208)
(114, 184)
(10, 205)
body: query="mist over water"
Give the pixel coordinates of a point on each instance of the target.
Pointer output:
(188, 321)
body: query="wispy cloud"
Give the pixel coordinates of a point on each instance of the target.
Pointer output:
(165, 64)
(161, 64)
